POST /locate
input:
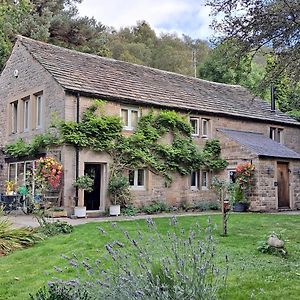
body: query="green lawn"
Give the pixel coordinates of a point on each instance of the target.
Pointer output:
(252, 275)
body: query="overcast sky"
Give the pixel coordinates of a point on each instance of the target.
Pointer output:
(190, 17)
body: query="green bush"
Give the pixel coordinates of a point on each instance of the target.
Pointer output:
(12, 239)
(53, 228)
(129, 210)
(156, 207)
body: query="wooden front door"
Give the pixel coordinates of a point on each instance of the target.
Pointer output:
(283, 185)
(92, 199)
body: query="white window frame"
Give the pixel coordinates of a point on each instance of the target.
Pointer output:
(196, 186)
(204, 121)
(39, 111)
(135, 185)
(197, 133)
(276, 134)
(206, 186)
(129, 110)
(14, 116)
(26, 114)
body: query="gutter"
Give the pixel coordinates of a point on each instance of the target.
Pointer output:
(77, 148)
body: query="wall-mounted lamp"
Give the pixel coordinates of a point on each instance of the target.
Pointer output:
(298, 172)
(290, 171)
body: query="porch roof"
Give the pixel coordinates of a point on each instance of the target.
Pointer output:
(260, 144)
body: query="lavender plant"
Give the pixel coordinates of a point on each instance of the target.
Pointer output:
(150, 265)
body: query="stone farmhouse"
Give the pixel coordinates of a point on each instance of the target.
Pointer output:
(39, 79)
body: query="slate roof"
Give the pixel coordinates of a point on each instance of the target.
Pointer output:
(113, 79)
(261, 145)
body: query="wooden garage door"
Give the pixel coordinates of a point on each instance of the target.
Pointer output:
(283, 185)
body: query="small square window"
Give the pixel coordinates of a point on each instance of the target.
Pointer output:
(130, 117)
(276, 134)
(195, 125)
(136, 178)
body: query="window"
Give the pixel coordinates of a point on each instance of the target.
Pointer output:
(26, 114)
(130, 118)
(199, 180)
(194, 180)
(14, 117)
(19, 171)
(39, 111)
(276, 134)
(205, 128)
(137, 178)
(204, 180)
(195, 125)
(232, 174)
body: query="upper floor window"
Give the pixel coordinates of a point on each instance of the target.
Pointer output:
(205, 128)
(14, 117)
(137, 178)
(26, 114)
(276, 134)
(130, 118)
(39, 111)
(195, 125)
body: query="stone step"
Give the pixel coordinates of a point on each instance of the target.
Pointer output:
(94, 213)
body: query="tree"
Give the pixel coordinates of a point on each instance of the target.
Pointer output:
(258, 23)
(54, 21)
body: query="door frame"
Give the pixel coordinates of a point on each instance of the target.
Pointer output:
(286, 163)
(103, 182)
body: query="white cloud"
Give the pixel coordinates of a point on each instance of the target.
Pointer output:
(189, 17)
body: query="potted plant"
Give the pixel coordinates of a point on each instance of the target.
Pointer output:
(83, 183)
(10, 187)
(242, 186)
(118, 189)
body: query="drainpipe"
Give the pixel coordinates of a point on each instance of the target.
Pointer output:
(77, 147)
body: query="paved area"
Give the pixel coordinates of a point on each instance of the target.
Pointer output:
(22, 220)
(29, 220)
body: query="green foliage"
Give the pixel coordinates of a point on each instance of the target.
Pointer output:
(155, 207)
(53, 228)
(212, 156)
(180, 264)
(84, 182)
(118, 189)
(95, 132)
(21, 148)
(12, 238)
(129, 210)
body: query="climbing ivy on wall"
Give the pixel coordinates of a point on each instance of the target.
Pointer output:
(162, 142)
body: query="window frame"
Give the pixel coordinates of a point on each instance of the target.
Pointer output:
(206, 186)
(129, 111)
(135, 185)
(39, 101)
(26, 114)
(14, 106)
(276, 134)
(204, 121)
(197, 133)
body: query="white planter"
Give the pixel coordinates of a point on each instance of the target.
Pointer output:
(114, 210)
(80, 211)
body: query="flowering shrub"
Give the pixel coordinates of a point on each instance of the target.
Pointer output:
(145, 265)
(49, 171)
(9, 186)
(245, 176)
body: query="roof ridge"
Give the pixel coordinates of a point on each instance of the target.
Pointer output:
(21, 37)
